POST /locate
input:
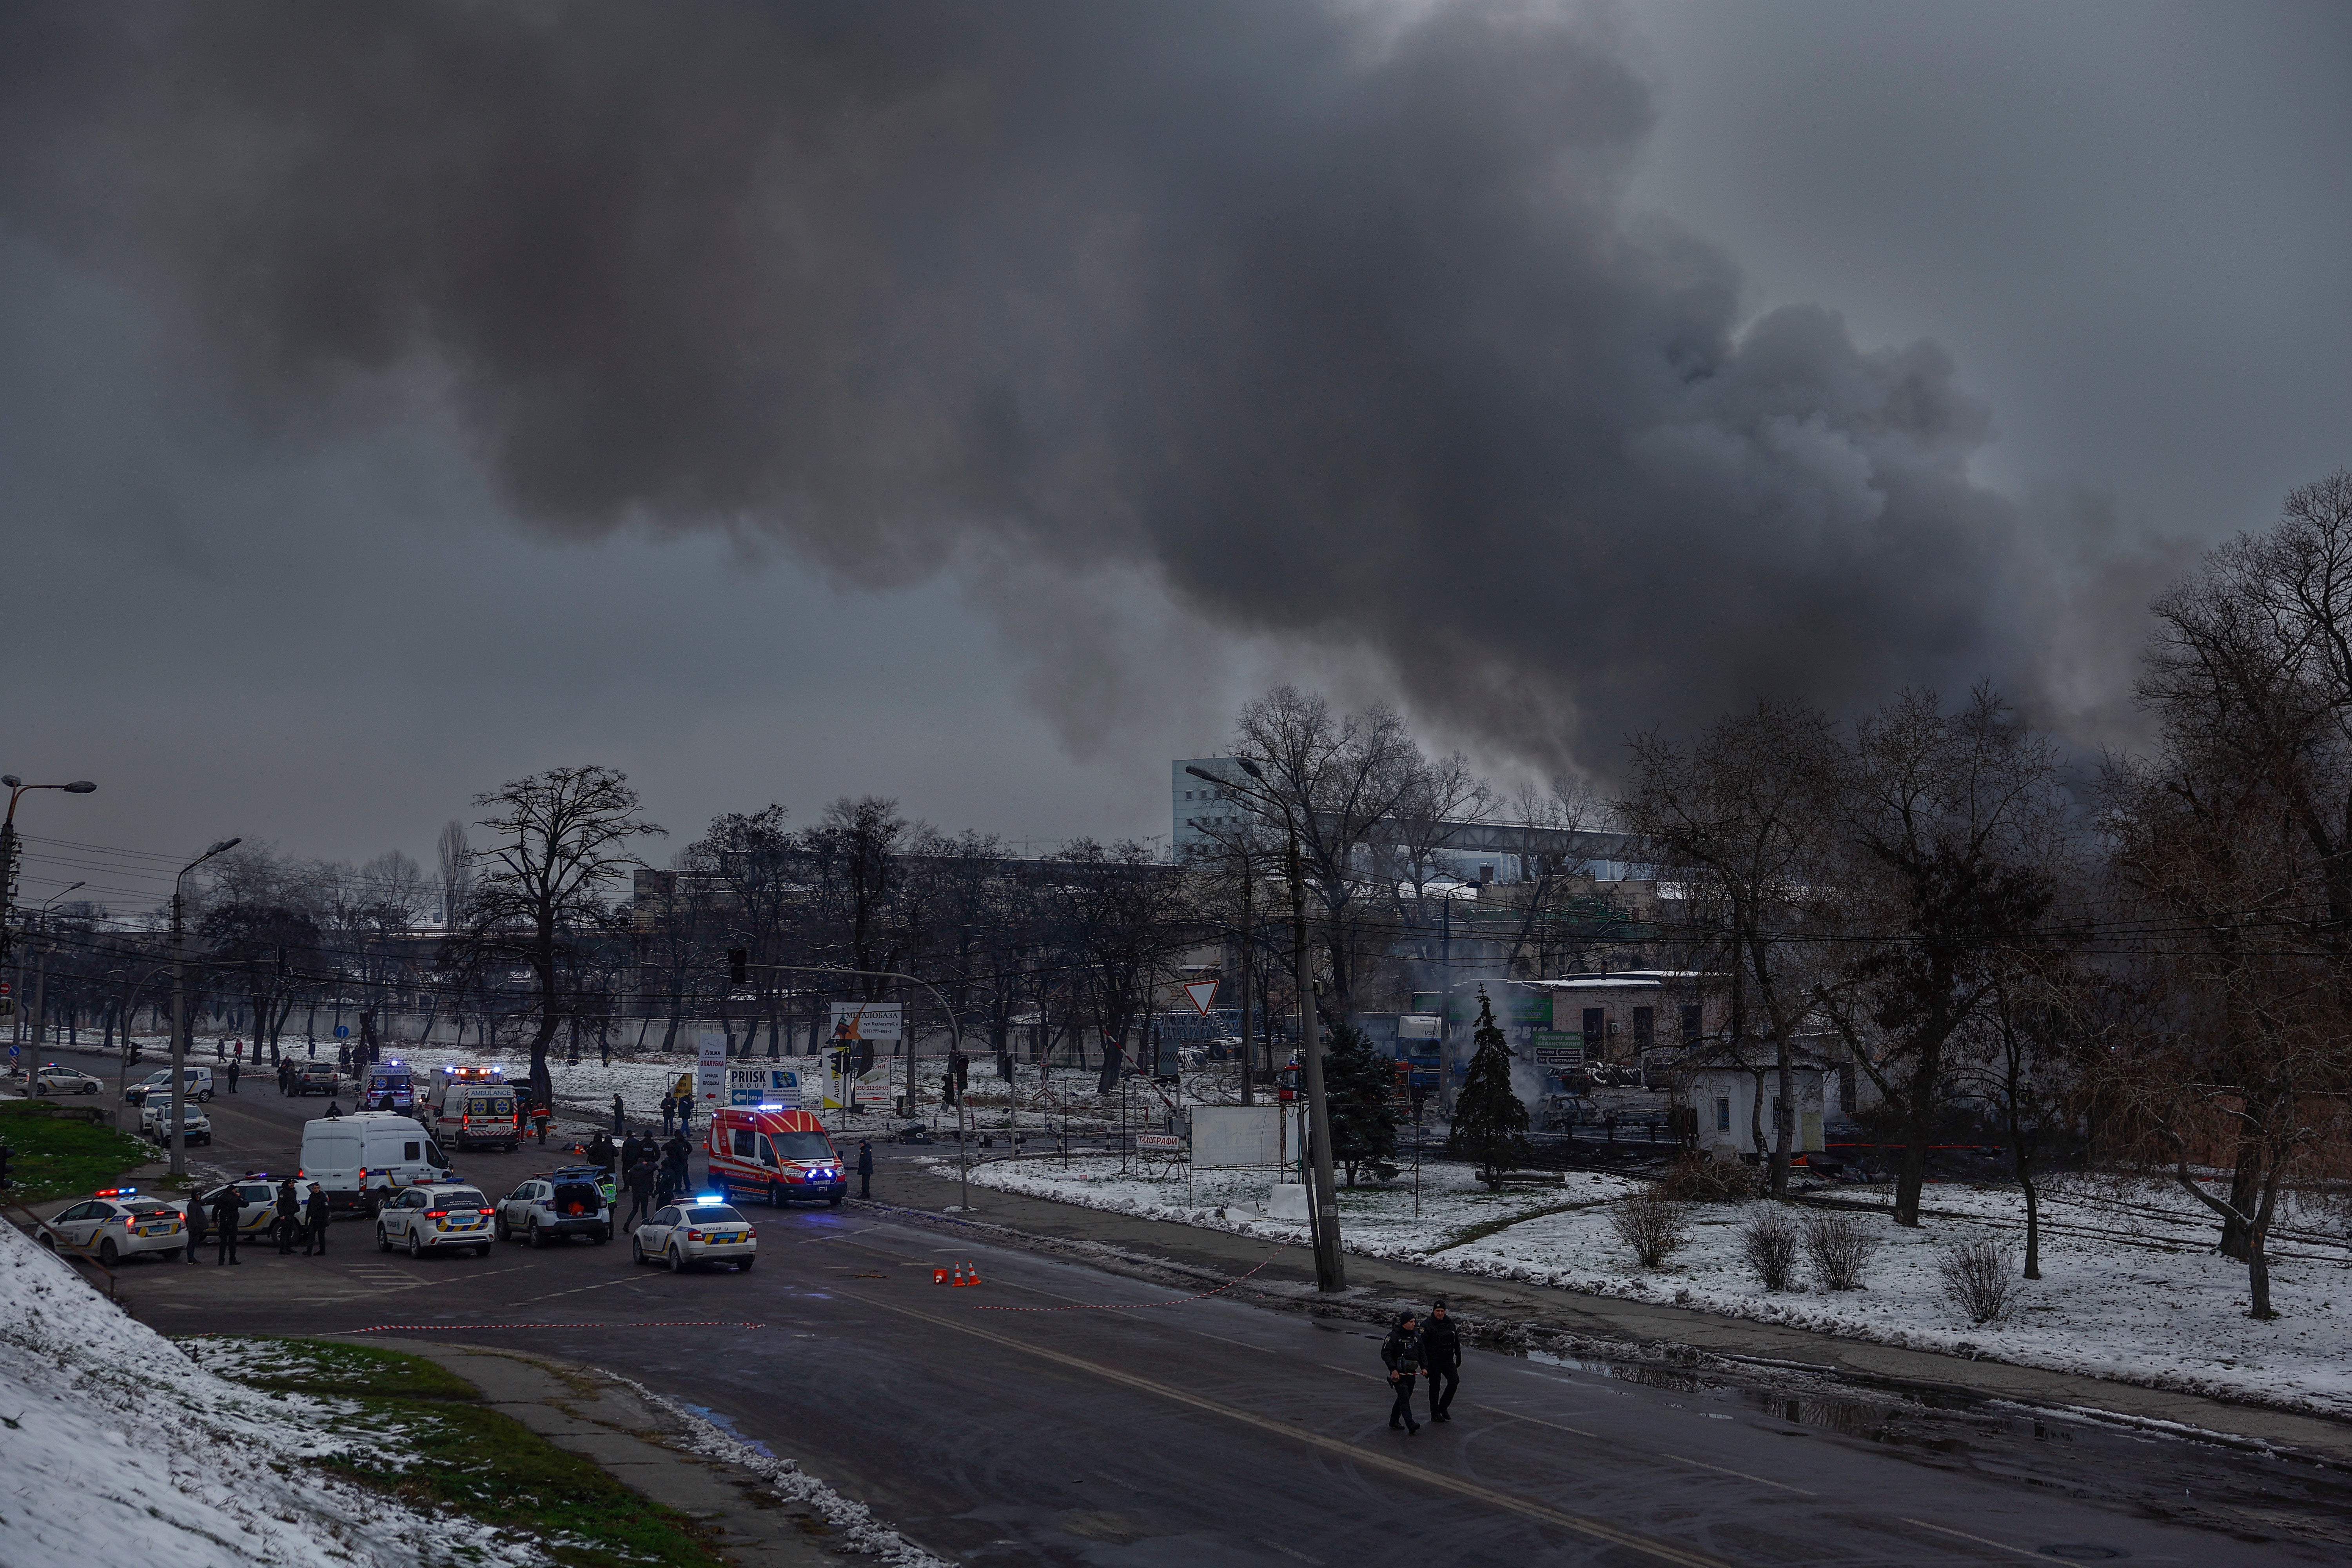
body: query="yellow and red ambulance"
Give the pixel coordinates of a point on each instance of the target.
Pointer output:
(772, 1152)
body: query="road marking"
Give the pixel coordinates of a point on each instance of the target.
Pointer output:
(1223, 1341)
(1514, 1415)
(1541, 1513)
(1287, 1551)
(1353, 1372)
(1743, 1475)
(1980, 1540)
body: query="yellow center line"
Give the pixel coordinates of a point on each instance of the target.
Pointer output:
(1543, 1513)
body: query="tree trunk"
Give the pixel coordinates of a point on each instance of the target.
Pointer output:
(1784, 1117)
(2032, 1220)
(2245, 1186)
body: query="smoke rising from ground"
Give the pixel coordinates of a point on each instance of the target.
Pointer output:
(1331, 319)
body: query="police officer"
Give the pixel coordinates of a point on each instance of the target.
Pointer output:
(668, 1111)
(290, 1216)
(616, 1113)
(226, 1206)
(1441, 1343)
(640, 1176)
(316, 1215)
(865, 1168)
(1403, 1354)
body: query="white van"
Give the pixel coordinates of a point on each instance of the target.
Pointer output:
(364, 1158)
(199, 1081)
(467, 1108)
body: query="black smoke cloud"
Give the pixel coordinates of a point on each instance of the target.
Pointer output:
(1333, 319)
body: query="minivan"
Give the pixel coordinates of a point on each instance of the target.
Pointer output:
(364, 1158)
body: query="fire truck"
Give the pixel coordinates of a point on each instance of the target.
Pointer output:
(771, 1152)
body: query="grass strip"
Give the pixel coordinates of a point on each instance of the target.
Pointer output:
(457, 1453)
(1487, 1227)
(58, 1156)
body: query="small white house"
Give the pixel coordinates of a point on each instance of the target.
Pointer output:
(1722, 1092)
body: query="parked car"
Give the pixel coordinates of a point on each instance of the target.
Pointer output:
(703, 1230)
(56, 1079)
(427, 1219)
(199, 1084)
(115, 1223)
(256, 1212)
(556, 1205)
(363, 1159)
(155, 1121)
(316, 1078)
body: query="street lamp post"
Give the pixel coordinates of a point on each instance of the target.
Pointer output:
(41, 966)
(16, 789)
(180, 1008)
(1330, 1270)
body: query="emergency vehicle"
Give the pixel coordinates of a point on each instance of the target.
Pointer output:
(389, 1085)
(470, 1106)
(779, 1154)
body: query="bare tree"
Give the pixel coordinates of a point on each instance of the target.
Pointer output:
(1122, 913)
(1738, 816)
(562, 838)
(457, 853)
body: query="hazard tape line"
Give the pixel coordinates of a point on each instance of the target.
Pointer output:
(1120, 1305)
(655, 1323)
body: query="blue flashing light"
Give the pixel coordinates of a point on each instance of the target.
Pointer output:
(711, 1197)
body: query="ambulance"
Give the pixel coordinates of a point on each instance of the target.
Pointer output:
(775, 1152)
(467, 1107)
(389, 1085)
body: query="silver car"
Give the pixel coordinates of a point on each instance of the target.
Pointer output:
(56, 1079)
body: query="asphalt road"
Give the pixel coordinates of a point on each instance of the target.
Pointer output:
(1060, 1413)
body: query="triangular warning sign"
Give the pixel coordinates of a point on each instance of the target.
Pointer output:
(1203, 993)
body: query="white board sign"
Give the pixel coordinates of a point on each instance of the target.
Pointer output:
(711, 1068)
(767, 1085)
(1236, 1135)
(854, 1021)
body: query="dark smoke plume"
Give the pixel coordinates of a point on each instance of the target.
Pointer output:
(1330, 318)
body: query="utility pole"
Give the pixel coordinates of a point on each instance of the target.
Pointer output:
(10, 856)
(1246, 1097)
(41, 968)
(180, 1006)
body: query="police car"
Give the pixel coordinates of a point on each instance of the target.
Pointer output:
(115, 1223)
(700, 1230)
(424, 1218)
(56, 1079)
(257, 1207)
(571, 1202)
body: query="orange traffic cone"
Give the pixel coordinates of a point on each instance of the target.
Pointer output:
(939, 1276)
(971, 1276)
(958, 1280)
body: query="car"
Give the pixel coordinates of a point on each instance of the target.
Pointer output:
(199, 1085)
(116, 1223)
(316, 1078)
(155, 1121)
(56, 1079)
(700, 1230)
(556, 1205)
(256, 1214)
(427, 1218)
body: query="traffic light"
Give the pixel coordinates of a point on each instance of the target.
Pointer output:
(739, 963)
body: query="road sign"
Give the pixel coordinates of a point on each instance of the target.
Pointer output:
(711, 1068)
(866, 1021)
(1203, 993)
(342, 1031)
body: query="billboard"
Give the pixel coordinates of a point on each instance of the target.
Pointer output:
(765, 1085)
(1558, 1048)
(866, 1021)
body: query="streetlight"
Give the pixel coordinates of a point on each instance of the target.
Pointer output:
(179, 1009)
(1330, 1270)
(41, 962)
(16, 788)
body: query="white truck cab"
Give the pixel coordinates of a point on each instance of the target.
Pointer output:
(364, 1158)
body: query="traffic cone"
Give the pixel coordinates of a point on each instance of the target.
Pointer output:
(939, 1276)
(973, 1275)
(958, 1281)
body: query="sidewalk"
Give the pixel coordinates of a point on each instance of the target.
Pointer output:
(1516, 1308)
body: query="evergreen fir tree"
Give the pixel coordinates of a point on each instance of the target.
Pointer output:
(1490, 1123)
(1359, 1094)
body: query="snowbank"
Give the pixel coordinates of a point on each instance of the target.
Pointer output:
(117, 1449)
(2132, 1288)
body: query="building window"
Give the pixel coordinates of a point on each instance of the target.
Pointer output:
(1691, 1025)
(1645, 1027)
(1723, 1114)
(1596, 1029)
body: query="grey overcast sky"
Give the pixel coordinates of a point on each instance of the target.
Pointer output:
(973, 404)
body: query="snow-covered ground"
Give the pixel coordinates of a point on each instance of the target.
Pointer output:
(121, 1449)
(2131, 1290)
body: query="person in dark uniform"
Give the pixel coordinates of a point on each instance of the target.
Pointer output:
(290, 1216)
(226, 1208)
(668, 1111)
(1440, 1343)
(1403, 1354)
(616, 1113)
(640, 1176)
(316, 1215)
(865, 1168)
(232, 1075)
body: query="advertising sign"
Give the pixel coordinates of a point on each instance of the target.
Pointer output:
(710, 1070)
(1419, 1026)
(1558, 1048)
(854, 1021)
(1168, 1142)
(766, 1085)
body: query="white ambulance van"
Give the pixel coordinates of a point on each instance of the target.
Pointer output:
(471, 1107)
